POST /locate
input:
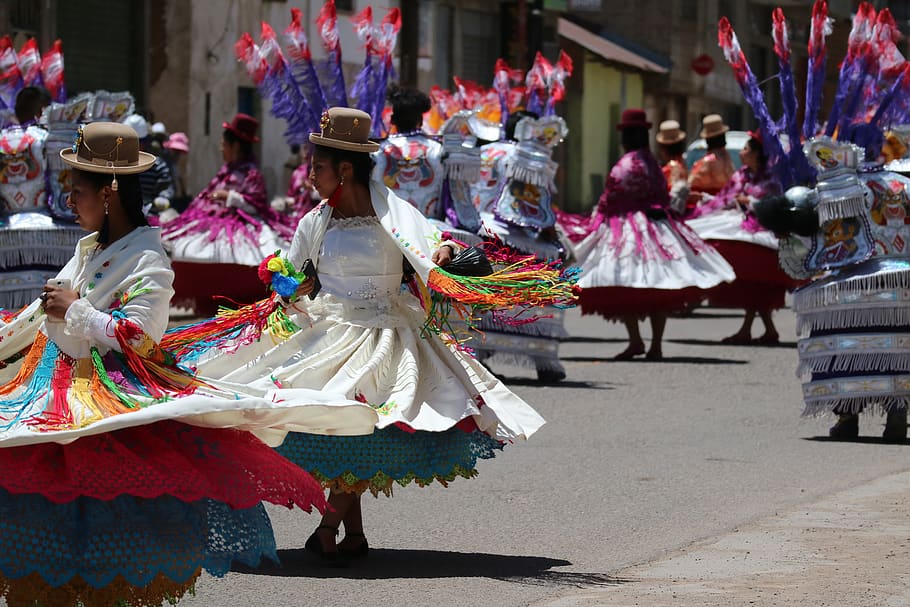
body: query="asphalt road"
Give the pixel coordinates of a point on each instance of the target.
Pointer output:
(637, 459)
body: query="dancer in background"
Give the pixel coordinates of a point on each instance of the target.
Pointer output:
(672, 145)
(409, 162)
(711, 172)
(638, 259)
(728, 223)
(228, 228)
(842, 218)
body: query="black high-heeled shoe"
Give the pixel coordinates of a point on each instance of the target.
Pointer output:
(360, 552)
(326, 558)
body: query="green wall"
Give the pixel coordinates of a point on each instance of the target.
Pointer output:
(593, 142)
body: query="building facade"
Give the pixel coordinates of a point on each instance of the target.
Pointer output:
(176, 57)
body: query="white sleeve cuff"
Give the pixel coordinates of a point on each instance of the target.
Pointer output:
(84, 321)
(456, 248)
(235, 200)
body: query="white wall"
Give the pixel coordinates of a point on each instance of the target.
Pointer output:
(216, 26)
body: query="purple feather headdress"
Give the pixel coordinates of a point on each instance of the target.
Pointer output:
(328, 32)
(852, 70)
(818, 56)
(302, 68)
(802, 172)
(363, 90)
(386, 37)
(729, 43)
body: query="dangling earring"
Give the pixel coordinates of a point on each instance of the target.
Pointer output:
(105, 207)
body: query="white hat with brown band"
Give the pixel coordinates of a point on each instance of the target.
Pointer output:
(670, 133)
(712, 126)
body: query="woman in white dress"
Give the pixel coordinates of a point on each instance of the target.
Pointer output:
(364, 336)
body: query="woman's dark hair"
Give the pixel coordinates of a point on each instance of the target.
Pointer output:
(130, 198)
(756, 146)
(674, 149)
(246, 148)
(634, 138)
(513, 121)
(408, 107)
(718, 141)
(30, 101)
(362, 162)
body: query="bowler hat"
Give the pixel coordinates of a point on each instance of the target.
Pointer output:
(712, 126)
(670, 133)
(633, 118)
(345, 129)
(244, 127)
(107, 147)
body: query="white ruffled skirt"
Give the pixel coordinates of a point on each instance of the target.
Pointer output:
(636, 252)
(372, 351)
(199, 247)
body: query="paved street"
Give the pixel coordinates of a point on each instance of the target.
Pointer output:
(637, 462)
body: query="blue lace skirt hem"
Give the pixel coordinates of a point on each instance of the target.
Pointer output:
(389, 455)
(136, 538)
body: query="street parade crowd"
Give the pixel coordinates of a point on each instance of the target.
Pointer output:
(420, 242)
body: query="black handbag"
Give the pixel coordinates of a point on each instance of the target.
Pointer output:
(470, 262)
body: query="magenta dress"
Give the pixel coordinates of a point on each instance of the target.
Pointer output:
(217, 238)
(731, 227)
(638, 257)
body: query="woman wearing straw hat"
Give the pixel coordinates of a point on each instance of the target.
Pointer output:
(361, 335)
(107, 495)
(711, 172)
(672, 144)
(639, 260)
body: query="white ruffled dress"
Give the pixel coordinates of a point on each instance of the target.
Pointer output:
(439, 409)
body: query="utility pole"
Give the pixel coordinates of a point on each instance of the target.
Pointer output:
(410, 34)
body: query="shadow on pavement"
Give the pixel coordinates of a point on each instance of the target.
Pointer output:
(692, 360)
(384, 564)
(579, 339)
(716, 342)
(869, 440)
(566, 383)
(708, 314)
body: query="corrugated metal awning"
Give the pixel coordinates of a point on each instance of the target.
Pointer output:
(609, 50)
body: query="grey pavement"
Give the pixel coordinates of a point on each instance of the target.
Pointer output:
(639, 464)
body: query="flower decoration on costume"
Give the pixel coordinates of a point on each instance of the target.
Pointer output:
(324, 122)
(279, 275)
(78, 141)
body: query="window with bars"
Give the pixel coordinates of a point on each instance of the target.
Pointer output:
(479, 45)
(25, 16)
